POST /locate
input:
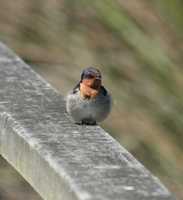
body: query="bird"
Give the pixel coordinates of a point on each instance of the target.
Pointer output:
(89, 102)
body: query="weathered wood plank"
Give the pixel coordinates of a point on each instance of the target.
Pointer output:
(61, 160)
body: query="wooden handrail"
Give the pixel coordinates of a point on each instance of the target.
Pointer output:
(62, 160)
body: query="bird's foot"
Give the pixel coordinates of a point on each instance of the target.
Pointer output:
(87, 122)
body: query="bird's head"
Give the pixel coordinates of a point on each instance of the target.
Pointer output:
(91, 81)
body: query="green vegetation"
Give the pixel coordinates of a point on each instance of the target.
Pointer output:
(138, 47)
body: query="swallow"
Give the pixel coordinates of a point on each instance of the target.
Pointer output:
(89, 102)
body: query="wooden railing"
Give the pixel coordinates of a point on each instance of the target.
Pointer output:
(62, 160)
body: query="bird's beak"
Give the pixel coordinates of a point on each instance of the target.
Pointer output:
(97, 83)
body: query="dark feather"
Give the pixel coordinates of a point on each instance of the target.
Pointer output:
(104, 91)
(75, 89)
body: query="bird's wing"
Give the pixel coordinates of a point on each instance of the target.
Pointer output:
(104, 91)
(76, 88)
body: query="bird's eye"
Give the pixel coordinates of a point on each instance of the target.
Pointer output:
(99, 76)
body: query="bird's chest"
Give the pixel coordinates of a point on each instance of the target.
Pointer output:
(88, 105)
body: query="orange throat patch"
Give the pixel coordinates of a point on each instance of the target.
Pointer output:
(87, 92)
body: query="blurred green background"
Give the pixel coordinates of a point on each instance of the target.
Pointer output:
(137, 44)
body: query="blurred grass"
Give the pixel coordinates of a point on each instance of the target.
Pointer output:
(138, 45)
